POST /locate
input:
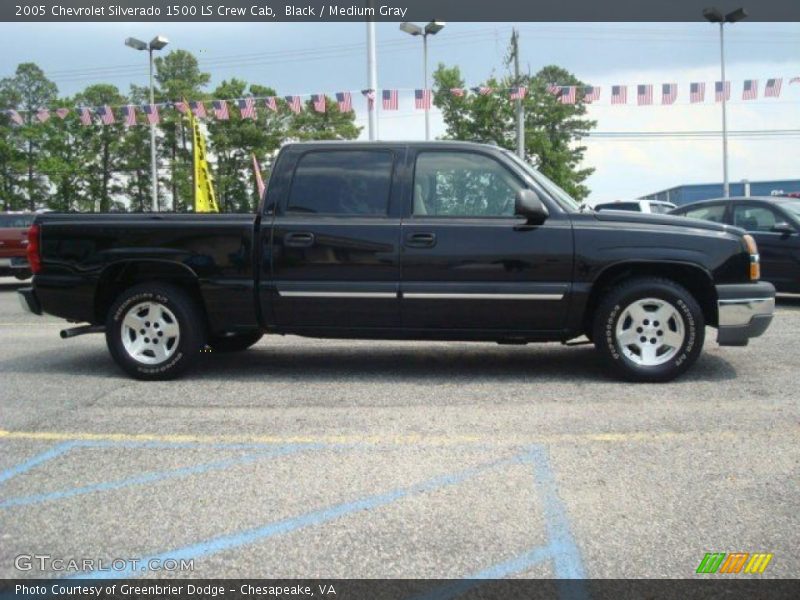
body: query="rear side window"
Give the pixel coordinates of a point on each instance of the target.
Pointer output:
(342, 182)
(754, 218)
(22, 221)
(715, 213)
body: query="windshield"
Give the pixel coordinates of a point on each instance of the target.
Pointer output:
(563, 198)
(11, 220)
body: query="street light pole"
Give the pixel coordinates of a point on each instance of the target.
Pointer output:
(726, 188)
(153, 158)
(714, 15)
(431, 28)
(157, 43)
(372, 77)
(425, 87)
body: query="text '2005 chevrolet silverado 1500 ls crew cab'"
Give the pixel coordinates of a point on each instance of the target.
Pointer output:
(422, 241)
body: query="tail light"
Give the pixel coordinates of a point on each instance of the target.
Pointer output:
(34, 257)
(755, 259)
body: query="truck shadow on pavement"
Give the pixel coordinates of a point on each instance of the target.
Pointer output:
(380, 363)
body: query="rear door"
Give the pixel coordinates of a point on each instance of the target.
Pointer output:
(468, 263)
(335, 237)
(780, 252)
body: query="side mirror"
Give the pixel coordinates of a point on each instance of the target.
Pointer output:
(528, 204)
(782, 227)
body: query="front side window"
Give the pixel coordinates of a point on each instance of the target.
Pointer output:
(342, 182)
(463, 184)
(714, 213)
(754, 218)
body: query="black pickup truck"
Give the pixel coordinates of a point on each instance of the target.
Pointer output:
(423, 241)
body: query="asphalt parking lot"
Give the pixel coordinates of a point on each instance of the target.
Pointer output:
(314, 458)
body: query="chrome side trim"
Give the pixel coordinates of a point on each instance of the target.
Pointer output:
(446, 296)
(740, 311)
(301, 294)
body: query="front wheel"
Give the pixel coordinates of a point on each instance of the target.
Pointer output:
(155, 331)
(649, 330)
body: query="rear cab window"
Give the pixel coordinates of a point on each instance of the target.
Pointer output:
(342, 183)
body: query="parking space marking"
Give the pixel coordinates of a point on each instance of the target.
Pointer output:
(289, 525)
(387, 440)
(36, 460)
(155, 476)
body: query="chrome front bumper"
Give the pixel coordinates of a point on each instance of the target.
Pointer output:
(745, 311)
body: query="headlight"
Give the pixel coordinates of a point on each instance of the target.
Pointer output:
(755, 259)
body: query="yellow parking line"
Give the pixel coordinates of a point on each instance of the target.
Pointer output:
(393, 440)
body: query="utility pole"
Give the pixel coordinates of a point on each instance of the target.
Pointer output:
(726, 188)
(520, 108)
(372, 75)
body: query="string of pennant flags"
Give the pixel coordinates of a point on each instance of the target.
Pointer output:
(247, 107)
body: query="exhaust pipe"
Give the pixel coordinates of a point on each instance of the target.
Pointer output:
(82, 330)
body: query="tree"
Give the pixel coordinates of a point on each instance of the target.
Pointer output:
(552, 129)
(28, 91)
(178, 77)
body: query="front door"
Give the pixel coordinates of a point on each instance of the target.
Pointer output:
(468, 263)
(335, 259)
(779, 251)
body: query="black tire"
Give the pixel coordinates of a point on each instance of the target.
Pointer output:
(632, 297)
(23, 275)
(236, 342)
(187, 345)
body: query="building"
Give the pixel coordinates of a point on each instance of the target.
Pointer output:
(686, 194)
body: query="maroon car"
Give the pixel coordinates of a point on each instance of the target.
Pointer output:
(13, 242)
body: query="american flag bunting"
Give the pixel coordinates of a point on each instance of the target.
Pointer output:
(86, 116)
(567, 94)
(390, 100)
(697, 92)
(518, 92)
(591, 93)
(669, 93)
(151, 113)
(294, 103)
(773, 88)
(62, 113)
(722, 90)
(619, 94)
(247, 108)
(458, 92)
(198, 109)
(345, 102)
(43, 115)
(483, 90)
(644, 94)
(106, 115)
(182, 107)
(129, 115)
(271, 102)
(370, 96)
(220, 108)
(16, 118)
(750, 89)
(318, 101)
(422, 99)
(794, 80)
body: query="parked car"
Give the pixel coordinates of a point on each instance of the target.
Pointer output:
(644, 206)
(437, 240)
(774, 222)
(13, 240)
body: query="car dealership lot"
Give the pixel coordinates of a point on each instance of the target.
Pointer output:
(305, 458)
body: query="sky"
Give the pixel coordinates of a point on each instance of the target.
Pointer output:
(304, 58)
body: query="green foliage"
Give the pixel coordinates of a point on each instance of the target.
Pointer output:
(552, 130)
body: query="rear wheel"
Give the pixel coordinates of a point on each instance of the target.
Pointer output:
(23, 275)
(649, 329)
(155, 331)
(235, 342)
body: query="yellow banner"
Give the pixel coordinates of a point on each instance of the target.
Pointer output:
(204, 199)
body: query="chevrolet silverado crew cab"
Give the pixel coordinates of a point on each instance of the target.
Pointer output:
(422, 241)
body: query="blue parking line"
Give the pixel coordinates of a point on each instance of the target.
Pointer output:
(317, 517)
(53, 452)
(566, 557)
(156, 476)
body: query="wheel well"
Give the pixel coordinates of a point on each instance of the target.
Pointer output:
(119, 277)
(693, 278)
